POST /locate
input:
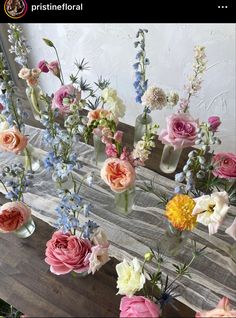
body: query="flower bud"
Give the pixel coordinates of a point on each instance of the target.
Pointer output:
(148, 256)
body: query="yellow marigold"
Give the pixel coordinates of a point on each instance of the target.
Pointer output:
(179, 212)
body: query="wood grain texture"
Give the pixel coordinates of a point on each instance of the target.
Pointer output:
(213, 275)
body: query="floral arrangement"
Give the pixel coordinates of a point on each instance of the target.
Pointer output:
(155, 290)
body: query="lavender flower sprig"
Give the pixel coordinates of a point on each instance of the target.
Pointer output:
(195, 80)
(141, 81)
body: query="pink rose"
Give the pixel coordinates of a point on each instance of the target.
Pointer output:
(111, 150)
(42, 65)
(1, 107)
(54, 68)
(12, 140)
(231, 230)
(13, 215)
(138, 306)
(221, 310)
(118, 174)
(98, 257)
(118, 136)
(66, 96)
(224, 165)
(181, 131)
(66, 253)
(214, 122)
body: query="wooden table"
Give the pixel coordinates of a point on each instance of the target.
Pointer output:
(26, 282)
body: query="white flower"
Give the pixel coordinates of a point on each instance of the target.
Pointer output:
(172, 98)
(4, 125)
(154, 98)
(211, 210)
(109, 94)
(24, 73)
(130, 277)
(98, 257)
(231, 230)
(100, 238)
(115, 104)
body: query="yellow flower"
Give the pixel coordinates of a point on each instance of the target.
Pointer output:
(130, 277)
(179, 212)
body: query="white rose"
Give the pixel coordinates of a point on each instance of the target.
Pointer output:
(130, 277)
(4, 125)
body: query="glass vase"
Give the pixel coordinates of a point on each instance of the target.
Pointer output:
(26, 229)
(99, 151)
(32, 160)
(170, 159)
(173, 241)
(141, 124)
(63, 183)
(37, 105)
(124, 200)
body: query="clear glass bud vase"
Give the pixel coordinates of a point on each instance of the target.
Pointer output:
(63, 183)
(173, 241)
(37, 105)
(99, 151)
(170, 159)
(124, 201)
(26, 229)
(141, 124)
(32, 160)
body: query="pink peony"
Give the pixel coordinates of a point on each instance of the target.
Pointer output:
(12, 140)
(224, 165)
(111, 150)
(221, 310)
(118, 174)
(54, 68)
(66, 96)
(138, 306)
(66, 253)
(42, 65)
(214, 122)
(181, 131)
(98, 257)
(13, 215)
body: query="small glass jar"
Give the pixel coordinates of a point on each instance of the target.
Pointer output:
(63, 183)
(37, 105)
(26, 229)
(173, 241)
(99, 151)
(124, 201)
(32, 160)
(141, 124)
(170, 159)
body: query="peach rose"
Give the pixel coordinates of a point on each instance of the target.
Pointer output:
(222, 310)
(12, 140)
(13, 215)
(98, 113)
(118, 174)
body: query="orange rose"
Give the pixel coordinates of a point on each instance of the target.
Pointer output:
(13, 215)
(118, 174)
(98, 114)
(12, 140)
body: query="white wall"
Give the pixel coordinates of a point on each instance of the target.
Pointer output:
(110, 52)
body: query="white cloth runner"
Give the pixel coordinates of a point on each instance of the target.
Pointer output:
(212, 275)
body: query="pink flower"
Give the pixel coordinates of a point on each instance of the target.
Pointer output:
(99, 238)
(12, 140)
(138, 306)
(66, 253)
(221, 310)
(98, 113)
(111, 150)
(66, 96)
(181, 131)
(224, 165)
(1, 107)
(118, 174)
(42, 65)
(118, 136)
(106, 135)
(13, 215)
(215, 122)
(231, 230)
(98, 257)
(54, 68)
